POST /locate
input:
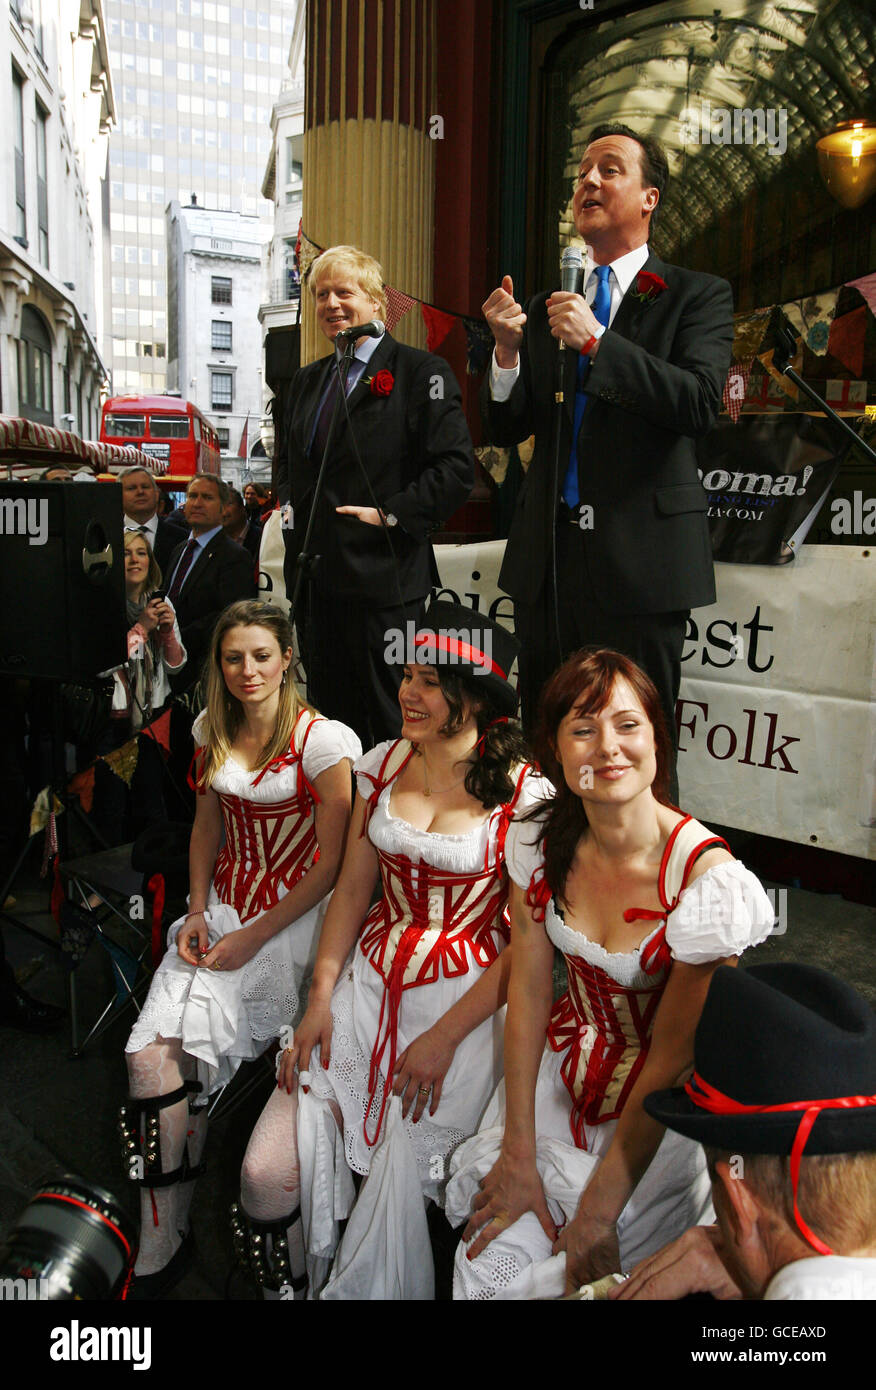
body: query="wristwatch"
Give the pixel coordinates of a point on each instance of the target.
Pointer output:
(389, 519)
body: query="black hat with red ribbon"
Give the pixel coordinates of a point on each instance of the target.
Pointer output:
(784, 1063)
(455, 638)
(773, 1044)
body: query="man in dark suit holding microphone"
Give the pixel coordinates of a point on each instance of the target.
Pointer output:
(647, 347)
(373, 564)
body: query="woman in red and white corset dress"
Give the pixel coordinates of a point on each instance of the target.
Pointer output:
(407, 994)
(568, 1179)
(276, 777)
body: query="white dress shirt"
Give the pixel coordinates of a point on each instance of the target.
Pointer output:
(624, 271)
(823, 1278)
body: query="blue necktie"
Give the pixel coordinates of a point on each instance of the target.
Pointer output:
(324, 413)
(601, 307)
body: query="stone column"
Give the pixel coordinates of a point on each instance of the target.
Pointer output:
(369, 161)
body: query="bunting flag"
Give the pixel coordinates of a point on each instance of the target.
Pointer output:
(123, 761)
(243, 451)
(866, 286)
(307, 253)
(846, 339)
(397, 305)
(438, 325)
(159, 729)
(82, 786)
(479, 346)
(736, 387)
(811, 319)
(748, 333)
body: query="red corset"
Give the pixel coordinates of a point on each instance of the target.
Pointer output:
(606, 1028)
(265, 846)
(429, 922)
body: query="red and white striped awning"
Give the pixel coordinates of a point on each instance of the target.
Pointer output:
(24, 443)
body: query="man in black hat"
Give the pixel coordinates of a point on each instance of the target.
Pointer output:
(783, 1100)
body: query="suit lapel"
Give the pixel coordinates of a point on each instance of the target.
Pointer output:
(633, 310)
(379, 358)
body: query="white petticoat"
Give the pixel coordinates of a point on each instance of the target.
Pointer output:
(225, 1017)
(673, 1195)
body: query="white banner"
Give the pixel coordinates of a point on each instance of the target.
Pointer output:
(777, 721)
(777, 709)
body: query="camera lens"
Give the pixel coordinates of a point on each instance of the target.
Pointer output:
(72, 1241)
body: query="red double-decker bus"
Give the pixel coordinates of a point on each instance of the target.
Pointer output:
(176, 436)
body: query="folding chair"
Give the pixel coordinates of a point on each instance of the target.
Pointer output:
(127, 939)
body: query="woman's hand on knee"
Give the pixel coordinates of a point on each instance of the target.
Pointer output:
(192, 940)
(511, 1188)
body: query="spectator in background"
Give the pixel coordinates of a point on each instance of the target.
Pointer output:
(141, 688)
(206, 574)
(140, 498)
(55, 473)
(239, 526)
(783, 1101)
(257, 500)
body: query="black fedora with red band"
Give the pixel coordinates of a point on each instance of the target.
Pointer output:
(453, 637)
(783, 1053)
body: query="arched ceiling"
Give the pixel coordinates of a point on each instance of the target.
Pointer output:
(657, 69)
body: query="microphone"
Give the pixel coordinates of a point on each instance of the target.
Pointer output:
(374, 328)
(571, 275)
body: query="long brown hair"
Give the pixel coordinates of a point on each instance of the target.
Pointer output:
(491, 779)
(584, 684)
(224, 711)
(153, 574)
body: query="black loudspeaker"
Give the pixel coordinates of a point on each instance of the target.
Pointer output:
(62, 580)
(282, 354)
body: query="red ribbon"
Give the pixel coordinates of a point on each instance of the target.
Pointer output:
(156, 887)
(463, 649)
(708, 1097)
(503, 719)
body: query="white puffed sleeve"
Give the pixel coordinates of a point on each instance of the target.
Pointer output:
(368, 765)
(327, 743)
(721, 913)
(199, 729)
(523, 853)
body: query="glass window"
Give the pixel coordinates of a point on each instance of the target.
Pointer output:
(34, 367)
(18, 115)
(221, 336)
(220, 287)
(221, 390)
(169, 427)
(125, 426)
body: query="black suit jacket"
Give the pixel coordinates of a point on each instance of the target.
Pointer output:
(221, 574)
(167, 538)
(416, 450)
(655, 387)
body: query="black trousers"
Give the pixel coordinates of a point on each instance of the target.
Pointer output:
(653, 640)
(343, 646)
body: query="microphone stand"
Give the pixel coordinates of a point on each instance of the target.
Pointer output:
(785, 348)
(305, 561)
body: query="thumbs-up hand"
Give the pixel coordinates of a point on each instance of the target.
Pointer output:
(506, 319)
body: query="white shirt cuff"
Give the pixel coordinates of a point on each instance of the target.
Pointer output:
(502, 379)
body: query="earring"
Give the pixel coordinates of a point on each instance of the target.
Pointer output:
(283, 681)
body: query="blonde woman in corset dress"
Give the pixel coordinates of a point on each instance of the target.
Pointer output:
(275, 778)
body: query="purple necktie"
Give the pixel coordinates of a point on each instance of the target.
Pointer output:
(182, 569)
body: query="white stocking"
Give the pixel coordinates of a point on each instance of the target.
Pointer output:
(157, 1070)
(270, 1186)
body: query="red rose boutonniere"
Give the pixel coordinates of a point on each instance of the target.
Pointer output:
(381, 383)
(649, 286)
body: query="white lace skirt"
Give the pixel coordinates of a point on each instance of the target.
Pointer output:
(468, 1085)
(230, 1016)
(674, 1193)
